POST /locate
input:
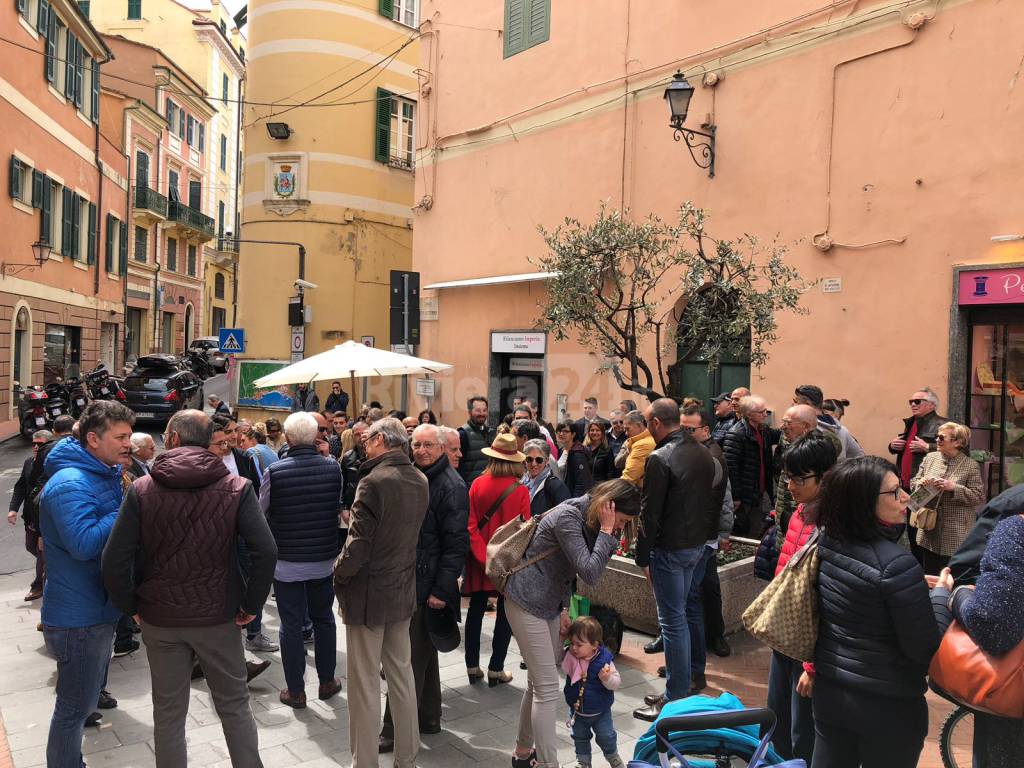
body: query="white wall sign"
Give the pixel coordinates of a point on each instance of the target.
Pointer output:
(298, 339)
(530, 342)
(526, 364)
(428, 308)
(366, 340)
(426, 387)
(832, 285)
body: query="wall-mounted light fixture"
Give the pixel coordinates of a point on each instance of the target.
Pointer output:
(279, 131)
(678, 95)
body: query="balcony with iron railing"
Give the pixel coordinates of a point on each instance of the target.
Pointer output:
(192, 222)
(227, 244)
(150, 204)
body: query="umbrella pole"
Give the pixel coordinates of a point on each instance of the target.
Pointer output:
(352, 386)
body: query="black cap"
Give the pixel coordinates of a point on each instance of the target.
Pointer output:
(721, 397)
(443, 628)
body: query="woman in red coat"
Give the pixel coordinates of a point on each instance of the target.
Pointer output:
(494, 498)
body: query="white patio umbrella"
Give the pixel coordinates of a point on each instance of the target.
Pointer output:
(349, 360)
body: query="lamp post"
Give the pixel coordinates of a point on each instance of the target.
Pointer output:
(678, 95)
(40, 250)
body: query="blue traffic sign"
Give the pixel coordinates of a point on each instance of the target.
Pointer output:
(232, 340)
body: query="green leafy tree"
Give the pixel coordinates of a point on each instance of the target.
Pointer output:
(619, 282)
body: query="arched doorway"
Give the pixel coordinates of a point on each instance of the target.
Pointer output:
(189, 331)
(21, 351)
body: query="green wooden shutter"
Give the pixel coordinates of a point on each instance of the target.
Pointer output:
(122, 258)
(65, 223)
(95, 91)
(22, 6)
(38, 180)
(515, 26)
(90, 249)
(76, 227)
(202, 137)
(382, 144)
(15, 178)
(387, 8)
(43, 17)
(181, 123)
(108, 256)
(539, 29)
(46, 213)
(79, 72)
(69, 66)
(51, 46)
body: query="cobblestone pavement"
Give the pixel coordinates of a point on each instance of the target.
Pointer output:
(479, 722)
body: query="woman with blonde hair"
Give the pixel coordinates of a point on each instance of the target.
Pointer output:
(494, 498)
(575, 539)
(955, 474)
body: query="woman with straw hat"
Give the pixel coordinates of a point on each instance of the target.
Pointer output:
(494, 498)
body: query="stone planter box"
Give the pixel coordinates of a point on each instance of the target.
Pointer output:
(624, 587)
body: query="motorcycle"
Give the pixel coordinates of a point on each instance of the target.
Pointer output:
(78, 395)
(32, 414)
(102, 386)
(197, 363)
(56, 400)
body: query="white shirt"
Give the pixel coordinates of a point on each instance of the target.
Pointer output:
(230, 463)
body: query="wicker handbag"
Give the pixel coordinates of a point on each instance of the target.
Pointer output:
(507, 547)
(785, 615)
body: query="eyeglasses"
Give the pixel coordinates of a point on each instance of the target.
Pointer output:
(762, 410)
(535, 460)
(895, 493)
(418, 446)
(221, 443)
(323, 429)
(915, 401)
(798, 480)
(690, 430)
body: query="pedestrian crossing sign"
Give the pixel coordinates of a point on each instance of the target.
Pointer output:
(232, 340)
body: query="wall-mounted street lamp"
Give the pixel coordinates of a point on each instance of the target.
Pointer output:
(678, 95)
(279, 131)
(40, 250)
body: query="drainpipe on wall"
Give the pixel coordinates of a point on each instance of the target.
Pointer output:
(156, 300)
(237, 224)
(99, 208)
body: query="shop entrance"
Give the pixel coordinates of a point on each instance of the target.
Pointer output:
(520, 376)
(995, 395)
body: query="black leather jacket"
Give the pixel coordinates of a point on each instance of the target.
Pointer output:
(878, 628)
(444, 536)
(677, 511)
(927, 429)
(742, 454)
(350, 463)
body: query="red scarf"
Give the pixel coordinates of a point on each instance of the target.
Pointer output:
(907, 457)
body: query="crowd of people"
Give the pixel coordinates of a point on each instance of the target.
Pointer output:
(391, 516)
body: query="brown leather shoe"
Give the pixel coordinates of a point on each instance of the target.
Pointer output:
(293, 700)
(34, 594)
(329, 689)
(254, 669)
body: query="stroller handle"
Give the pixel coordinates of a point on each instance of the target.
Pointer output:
(699, 722)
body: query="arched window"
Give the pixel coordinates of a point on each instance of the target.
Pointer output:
(218, 286)
(690, 376)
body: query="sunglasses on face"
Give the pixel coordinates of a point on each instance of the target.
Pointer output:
(915, 401)
(322, 429)
(944, 439)
(690, 430)
(535, 460)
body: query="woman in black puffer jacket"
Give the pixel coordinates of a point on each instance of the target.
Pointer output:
(878, 627)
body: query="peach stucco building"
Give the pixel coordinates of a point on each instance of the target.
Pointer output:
(66, 187)
(880, 141)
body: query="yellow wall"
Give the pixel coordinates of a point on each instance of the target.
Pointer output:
(356, 221)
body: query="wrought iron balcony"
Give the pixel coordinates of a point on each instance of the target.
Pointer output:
(198, 224)
(149, 202)
(227, 244)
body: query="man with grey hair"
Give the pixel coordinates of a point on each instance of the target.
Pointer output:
(453, 445)
(916, 439)
(638, 447)
(375, 580)
(301, 497)
(143, 451)
(172, 561)
(748, 450)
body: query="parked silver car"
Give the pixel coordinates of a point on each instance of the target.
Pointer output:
(210, 346)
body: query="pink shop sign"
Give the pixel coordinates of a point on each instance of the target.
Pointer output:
(991, 286)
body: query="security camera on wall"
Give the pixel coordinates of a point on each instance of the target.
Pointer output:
(300, 283)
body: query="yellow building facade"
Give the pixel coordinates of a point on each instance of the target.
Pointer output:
(338, 83)
(206, 44)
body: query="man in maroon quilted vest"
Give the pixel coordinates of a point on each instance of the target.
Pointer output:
(171, 562)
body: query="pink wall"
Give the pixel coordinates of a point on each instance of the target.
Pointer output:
(925, 151)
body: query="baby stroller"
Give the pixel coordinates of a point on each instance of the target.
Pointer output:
(711, 733)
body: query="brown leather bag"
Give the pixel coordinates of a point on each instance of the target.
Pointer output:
(993, 684)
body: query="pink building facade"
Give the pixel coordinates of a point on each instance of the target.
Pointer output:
(879, 142)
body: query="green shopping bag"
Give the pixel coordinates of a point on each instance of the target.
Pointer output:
(578, 606)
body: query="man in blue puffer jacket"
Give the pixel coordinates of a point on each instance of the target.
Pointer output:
(78, 508)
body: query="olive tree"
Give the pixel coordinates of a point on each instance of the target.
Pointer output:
(620, 283)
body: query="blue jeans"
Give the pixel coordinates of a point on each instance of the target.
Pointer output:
(671, 575)
(794, 724)
(82, 654)
(604, 734)
(695, 614)
(294, 600)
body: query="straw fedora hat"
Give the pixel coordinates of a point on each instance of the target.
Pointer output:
(505, 448)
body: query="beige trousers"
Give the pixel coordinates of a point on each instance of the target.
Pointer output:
(367, 649)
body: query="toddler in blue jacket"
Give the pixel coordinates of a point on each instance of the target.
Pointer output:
(590, 682)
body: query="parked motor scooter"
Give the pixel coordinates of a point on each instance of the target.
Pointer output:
(31, 409)
(56, 400)
(102, 385)
(78, 395)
